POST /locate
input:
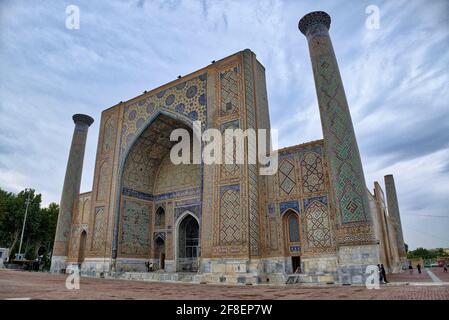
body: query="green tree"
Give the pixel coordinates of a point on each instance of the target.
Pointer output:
(12, 216)
(39, 228)
(421, 253)
(439, 252)
(49, 219)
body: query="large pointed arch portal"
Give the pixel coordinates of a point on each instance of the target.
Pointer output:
(147, 178)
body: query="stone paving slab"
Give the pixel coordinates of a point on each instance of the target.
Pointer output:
(33, 285)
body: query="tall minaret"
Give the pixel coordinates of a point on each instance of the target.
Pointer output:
(70, 191)
(393, 212)
(349, 192)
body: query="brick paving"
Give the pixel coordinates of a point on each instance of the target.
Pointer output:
(439, 272)
(407, 277)
(22, 284)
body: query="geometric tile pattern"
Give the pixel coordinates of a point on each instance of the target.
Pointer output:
(135, 236)
(103, 180)
(98, 231)
(230, 217)
(287, 176)
(344, 158)
(229, 91)
(274, 236)
(109, 136)
(250, 109)
(71, 183)
(229, 167)
(317, 226)
(187, 98)
(312, 172)
(74, 241)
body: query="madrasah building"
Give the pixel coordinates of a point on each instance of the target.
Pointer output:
(227, 223)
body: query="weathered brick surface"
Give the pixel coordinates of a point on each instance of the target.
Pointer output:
(16, 284)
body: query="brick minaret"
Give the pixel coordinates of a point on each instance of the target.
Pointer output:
(70, 191)
(393, 212)
(349, 192)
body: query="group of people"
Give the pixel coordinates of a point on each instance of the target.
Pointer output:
(382, 273)
(410, 268)
(418, 267)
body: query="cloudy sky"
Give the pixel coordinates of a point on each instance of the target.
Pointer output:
(396, 79)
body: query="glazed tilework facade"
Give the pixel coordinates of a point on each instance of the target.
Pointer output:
(249, 226)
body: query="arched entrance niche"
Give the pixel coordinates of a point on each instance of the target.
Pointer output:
(292, 238)
(159, 253)
(187, 243)
(148, 179)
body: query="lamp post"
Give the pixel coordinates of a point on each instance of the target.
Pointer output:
(27, 202)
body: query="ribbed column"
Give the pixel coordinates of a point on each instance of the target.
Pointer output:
(348, 185)
(393, 212)
(70, 191)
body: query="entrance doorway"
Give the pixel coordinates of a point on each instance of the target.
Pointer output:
(296, 264)
(188, 244)
(82, 247)
(162, 261)
(160, 252)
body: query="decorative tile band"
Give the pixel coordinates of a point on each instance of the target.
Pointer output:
(235, 187)
(317, 148)
(164, 196)
(295, 248)
(188, 202)
(322, 199)
(284, 206)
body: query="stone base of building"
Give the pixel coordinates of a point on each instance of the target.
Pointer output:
(96, 267)
(58, 264)
(353, 263)
(348, 266)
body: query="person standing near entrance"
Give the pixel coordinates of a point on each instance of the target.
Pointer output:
(419, 268)
(379, 270)
(384, 274)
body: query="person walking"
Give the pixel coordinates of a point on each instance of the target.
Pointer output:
(419, 268)
(384, 274)
(445, 267)
(410, 267)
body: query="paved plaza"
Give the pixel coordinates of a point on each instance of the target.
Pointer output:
(33, 285)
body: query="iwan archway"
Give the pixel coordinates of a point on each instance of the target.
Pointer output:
(150, 184)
